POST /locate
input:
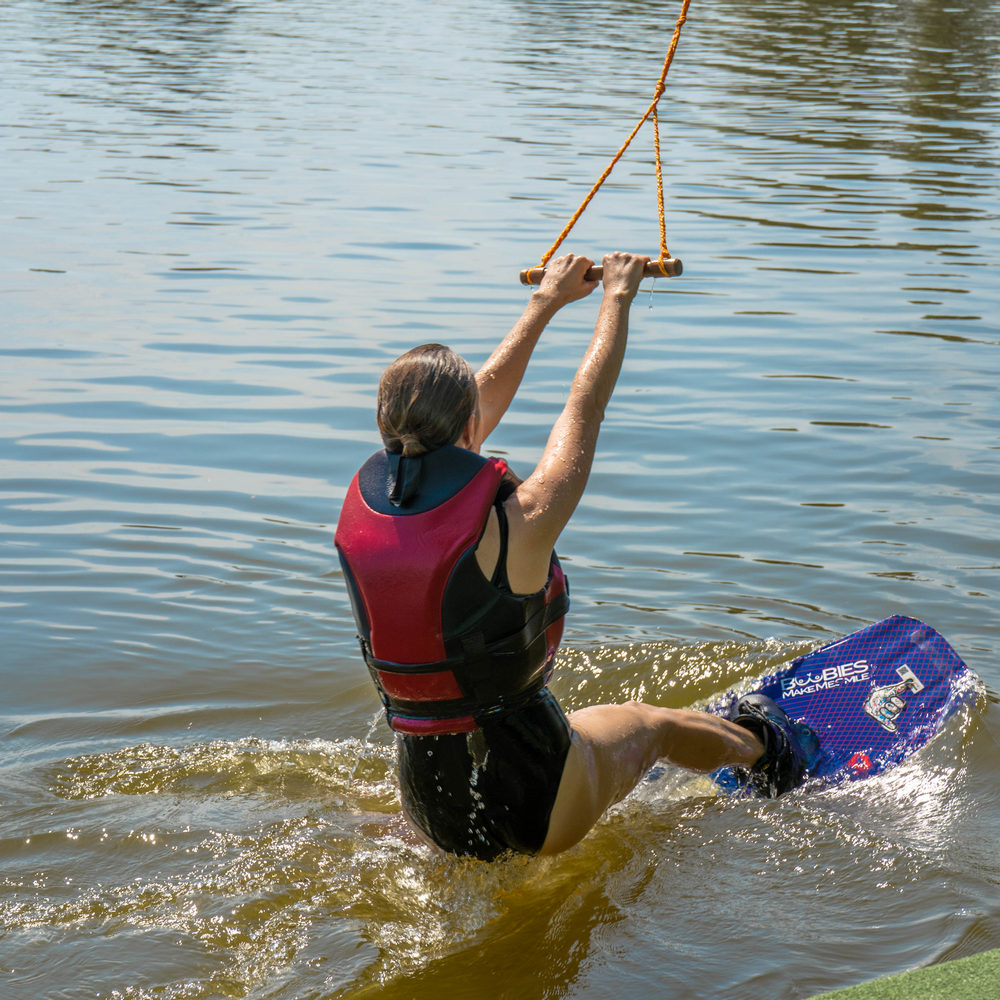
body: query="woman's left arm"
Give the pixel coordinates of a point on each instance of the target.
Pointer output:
(499, 378)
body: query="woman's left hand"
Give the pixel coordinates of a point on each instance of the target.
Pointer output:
(564, 280)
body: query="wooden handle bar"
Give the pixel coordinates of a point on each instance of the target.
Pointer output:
(672, 265)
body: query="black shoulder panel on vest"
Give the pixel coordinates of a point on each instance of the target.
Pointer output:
(443, 473)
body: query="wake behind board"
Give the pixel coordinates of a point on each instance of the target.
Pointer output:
(873, 698)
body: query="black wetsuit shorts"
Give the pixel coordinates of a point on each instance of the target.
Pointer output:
(490, 791)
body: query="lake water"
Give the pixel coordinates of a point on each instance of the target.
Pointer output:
(222, 219)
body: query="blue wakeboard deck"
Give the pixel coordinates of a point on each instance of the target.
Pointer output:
(873, 698)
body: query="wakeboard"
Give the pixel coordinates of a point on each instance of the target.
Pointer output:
(872, 698)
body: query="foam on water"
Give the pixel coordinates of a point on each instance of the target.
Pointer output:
(261, 862)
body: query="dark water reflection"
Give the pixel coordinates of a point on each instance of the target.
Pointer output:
(223, 219)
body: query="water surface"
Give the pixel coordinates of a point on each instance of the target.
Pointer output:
(221, 220)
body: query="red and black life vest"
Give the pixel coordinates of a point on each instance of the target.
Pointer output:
(445, 646)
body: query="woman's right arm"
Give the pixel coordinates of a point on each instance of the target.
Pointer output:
(541, 506)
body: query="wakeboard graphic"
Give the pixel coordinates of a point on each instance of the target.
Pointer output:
(872, 698)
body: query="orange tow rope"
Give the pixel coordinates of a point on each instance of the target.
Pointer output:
(666, 264)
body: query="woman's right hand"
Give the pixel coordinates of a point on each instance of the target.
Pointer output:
(622, 273)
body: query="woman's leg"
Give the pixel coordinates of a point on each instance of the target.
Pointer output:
(613, 746)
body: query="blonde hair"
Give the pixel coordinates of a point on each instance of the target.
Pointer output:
(425, 399)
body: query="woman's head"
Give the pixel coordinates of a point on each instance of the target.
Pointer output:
(425, 399)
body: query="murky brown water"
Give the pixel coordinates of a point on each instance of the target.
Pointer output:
(222, 219)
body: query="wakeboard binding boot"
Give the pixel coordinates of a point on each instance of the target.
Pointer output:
(790, 747)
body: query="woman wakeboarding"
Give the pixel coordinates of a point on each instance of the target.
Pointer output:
(459, 600)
